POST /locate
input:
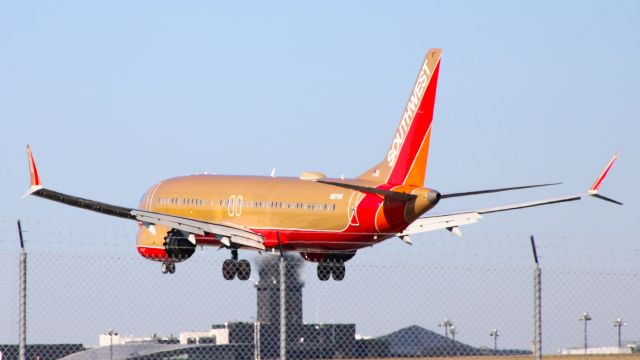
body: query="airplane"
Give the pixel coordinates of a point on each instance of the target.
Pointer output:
(326, 220)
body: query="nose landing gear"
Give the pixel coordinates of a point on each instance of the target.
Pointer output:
(168, 267)
(234, 267)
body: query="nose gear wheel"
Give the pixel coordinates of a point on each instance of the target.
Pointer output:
(168, 268)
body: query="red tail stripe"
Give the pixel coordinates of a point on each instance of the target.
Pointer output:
(418, 130)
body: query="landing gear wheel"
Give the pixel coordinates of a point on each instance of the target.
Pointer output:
(338, 271)
(244, 270)
(323, 271)
(229, 269)
(168, 268)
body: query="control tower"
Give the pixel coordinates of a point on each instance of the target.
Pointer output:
(268, 288)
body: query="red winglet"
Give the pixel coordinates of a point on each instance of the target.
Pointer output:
(603, 174)
(35, 178)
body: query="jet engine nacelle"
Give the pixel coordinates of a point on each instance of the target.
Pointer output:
(178, 246)
(164, 244)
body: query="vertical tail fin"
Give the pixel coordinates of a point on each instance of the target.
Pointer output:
(406, 159)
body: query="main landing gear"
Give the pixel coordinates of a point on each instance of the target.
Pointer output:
(168, 267)
(331, 268)
(234, 267)
(330, 264)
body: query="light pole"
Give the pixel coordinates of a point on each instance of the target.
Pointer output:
(446, 323)
(586, 318)
(453, 331)
(619, 324)
(494, 334)
(111, 333)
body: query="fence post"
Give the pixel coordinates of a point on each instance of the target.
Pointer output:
(283, 309)
(537, 305)
(256, 340)
(22, 341)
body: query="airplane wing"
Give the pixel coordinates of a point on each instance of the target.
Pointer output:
(229, 234)
(453, 221)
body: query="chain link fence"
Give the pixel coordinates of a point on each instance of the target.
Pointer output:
(104, 301)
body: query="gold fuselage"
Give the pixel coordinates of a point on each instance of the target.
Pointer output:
(297, 211)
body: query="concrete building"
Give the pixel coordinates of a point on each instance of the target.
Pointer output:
(117, 339)
(602, 350)
(218, 336)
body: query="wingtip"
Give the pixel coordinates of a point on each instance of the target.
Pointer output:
(603, 174)
(35, 182)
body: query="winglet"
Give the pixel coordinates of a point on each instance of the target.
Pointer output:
(604, 172)
(593, 190)
(35, 184)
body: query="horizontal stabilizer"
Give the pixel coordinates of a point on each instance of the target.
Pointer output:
(370, 190)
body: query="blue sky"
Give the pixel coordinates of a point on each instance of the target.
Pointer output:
(115, 96)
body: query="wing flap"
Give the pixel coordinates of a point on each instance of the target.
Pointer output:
(439, 222)
(236, 234)
(168, 221)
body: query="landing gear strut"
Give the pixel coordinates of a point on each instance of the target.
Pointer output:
(168, 267)
(234, 267)
(331, 268)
